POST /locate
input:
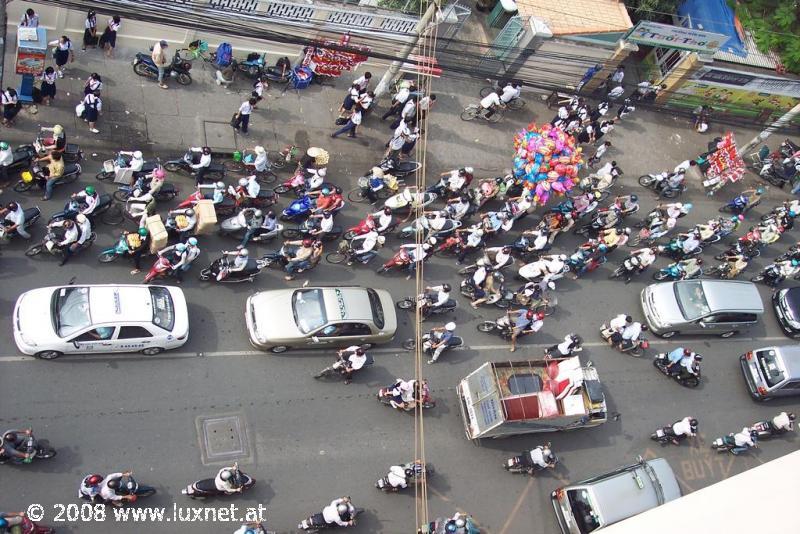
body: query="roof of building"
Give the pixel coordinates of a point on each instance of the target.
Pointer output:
(575, 17)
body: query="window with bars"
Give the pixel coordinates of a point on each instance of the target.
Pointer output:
(246, 6)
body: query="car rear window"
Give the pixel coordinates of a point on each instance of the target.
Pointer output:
(581, 505)
(308, 308)
(163, 308)
(377, 308)
(71, 310)
(771, 367)
(691, 300)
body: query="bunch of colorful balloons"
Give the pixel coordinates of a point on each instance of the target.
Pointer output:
(547, 160)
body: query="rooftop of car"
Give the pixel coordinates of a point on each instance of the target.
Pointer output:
(732, 295)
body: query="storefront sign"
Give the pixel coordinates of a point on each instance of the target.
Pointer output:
(664, 35)
(726, 77)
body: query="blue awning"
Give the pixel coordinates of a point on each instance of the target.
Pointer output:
(713, 16)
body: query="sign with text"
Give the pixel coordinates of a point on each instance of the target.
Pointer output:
(667, 36)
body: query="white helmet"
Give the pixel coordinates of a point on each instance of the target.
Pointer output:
(243, 182)
(137, 154)
(470, 170)
(450, 326)
(562, 257)
(479, 232)
(259, 149)
(220, 185)
(381, 239)
(678, 205)
(81, 218)
(481, 262)
(243, 252)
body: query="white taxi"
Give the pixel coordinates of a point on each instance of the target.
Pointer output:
(52, 321)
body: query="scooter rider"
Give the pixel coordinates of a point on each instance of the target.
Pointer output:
(365, 247)
(540, 456)
(498, 257)
(214, 191)
(135, 165)
(745, 439)
(320, 224)
(305, 257)
(225, 481)
(684, 427)
(86, 200)
(12, 441)
(187, 254)
(203, 157)
(565, 348)
(627, 203)
(241, 257)
(673, 210)
(399, 475)
(472, 242)
(182, 221)
(457, 207)
(353, 358)
(689, 267)
(434, 297)
(523, 320)
(552, 264)
(83, 229)
(340, 512)
(267, 225)
(14, 220)
(109, 487)
(90, 487)
(783, 422)
(438, 339)
(640, 260)
(383, 219)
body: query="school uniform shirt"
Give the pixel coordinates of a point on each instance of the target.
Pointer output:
(113, 26)
(6, 157)
(362, 83)
(365, 100)
(63, 47)
(258, 88)
(402, 95)
(90, 23)
(425, 103)
(355, 118)
(618, 76)
(408, 109)
(7, 99)
(29, 22)
(509, 93)
(48, 78)
(94, 85)
(492, 99)
(93, 101)
(245, 108)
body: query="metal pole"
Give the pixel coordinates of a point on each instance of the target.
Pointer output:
(781, 122)
(419, 29)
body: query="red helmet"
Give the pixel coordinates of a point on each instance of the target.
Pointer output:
(529, 314)
(539, 316)
(93, 480)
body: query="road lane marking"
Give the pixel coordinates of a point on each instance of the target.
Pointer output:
(384, 350)
(517, 505)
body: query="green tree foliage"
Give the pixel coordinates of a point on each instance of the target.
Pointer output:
(775, 25)
(655, 10)
(413, 7)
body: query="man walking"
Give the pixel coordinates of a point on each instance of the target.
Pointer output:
(160, 59)
(243, 116)
(352, 123)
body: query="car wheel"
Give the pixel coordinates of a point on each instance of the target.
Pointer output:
(48, 354)
(150, 351)
(726, 335)
(667, 335)
(279, 349)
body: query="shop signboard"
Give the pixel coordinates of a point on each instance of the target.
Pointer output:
(676, 37)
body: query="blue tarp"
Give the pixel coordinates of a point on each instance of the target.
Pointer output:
(717, 17)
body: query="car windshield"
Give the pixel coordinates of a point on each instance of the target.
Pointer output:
(377, 308)
(163, 309)
(71, 310)
(308, 307)
(581, 505)
(771, 367)
(691, 300)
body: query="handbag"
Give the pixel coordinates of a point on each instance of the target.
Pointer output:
(341, 121)
(79, 109)
(235, 120)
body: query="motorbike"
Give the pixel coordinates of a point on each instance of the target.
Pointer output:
(673, 272)
(408, 200)
(411, 344)
(525, 249)
(298, 209)
(248, 274)
(300, 185)
(166, 193)
(793, 253)
(773, 170)
(674, 250)
(523, 463)
(422, 396)
(665, 435)
(120, 248)
(366, 225)
(337, 368)
(31, 216)
(143, 65)
(72, 153)
(317, 522)
(422, 225)
(121, 161)
(50, 244)
(398, 168)
(746, 247)
(766, 430)
(304, 230)
(530, 273)
(502, 298)
(596, 225)
(344, 253)
(129, 486)
(728, 443)
(161, 268)
(630, 266)
(236, 227)
(207, 488)
(568, 206)
(391, 186)
(576, 346)
(411, 303)
(739, 205)
(579, 263)
(413, 472)
(22, 159)
(772, 276)
(214, 171)
(723, 271)
(634, 347)
(654, 182)
(72, 209)
(225, 208)
(401, 259)
(41, 449)
(34, 176)
(682, 377)
(501, 327)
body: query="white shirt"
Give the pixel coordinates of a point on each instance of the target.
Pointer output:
(92, 101)
(355, 118)
(455, 181)
(474, 239)
(362, 82)
(61, 46)
(245, 108)
(89, 200)
(113, 25)
(253, 187)
(107, 493)
(258, 87)
(269, 224)
(326, 224)
(402, 95)
(442, 296)
(94, 84)
(29, 22)
(6, 157)
(384, 221)
(85, 231)
(87, 490)
(8, 99)
(48, 78)
(397, 477)
(331, 515)
(425, 103)
(90, 22)
(479, 276)
(782, 421)
(743, 438)
(618, 322)
(397, 142)
(492, 99)
(367, 242)
(509, 93)
(618, 76)
(223, 485)
(632, 331)
(260, 162)
(408, 109)
(136, 164)
(17, 217)
(365, 100)
(537, 457)
(683, 428)
(205, 161)
(356, 361)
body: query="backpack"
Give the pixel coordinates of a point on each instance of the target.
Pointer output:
(224, 55)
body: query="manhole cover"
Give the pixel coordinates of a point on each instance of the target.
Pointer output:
(220, 136)
(223, 438)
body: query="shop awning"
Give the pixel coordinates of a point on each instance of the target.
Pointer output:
(576, 17)
(717, 17)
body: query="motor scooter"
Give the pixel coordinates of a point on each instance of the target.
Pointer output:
(411, 303)
(31, 216)
(248, 274)
(422, 225)
(523, 463)
(298, 209)
(72, 209)
(35, 176)
(634, 347)
(143, 65)
(367, 225)
(728, 443)
(422, 396)
(411, 343)
(113, 167)
(409, 200)
(411, 473)
(50, 244)
(72, 153)
(682, 377)
(214, 171)
(161, 268)
(39, 448)
(207, 487)
(305, 229)
(236, 227)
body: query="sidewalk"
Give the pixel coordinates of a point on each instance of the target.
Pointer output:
(137, 114)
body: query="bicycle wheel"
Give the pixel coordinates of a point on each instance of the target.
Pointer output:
(336, 257)
(516, 104)
(233, 166)
(470, 112)
(276, 159)
(122, 195)
(486, 90)
(495, 117)
(266, 177)
(356, 195)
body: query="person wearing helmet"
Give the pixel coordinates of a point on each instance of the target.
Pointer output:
(627, 204)
(71, 234)
(471, 240)
(216, 191)
(383, 219)
(90, 487)
(137, 245)
(241, 257)
(14, 220)
(14, 446)
(319, 224)
(457, 207)
(437, 340)
(523, 321)
(140, 205)
(252, 527)
(365, 247)
(416, 253)
(56, 143)
(201, 160)
(109, 486)
(340, 512)
(541, 457)
(783, 422)
(689, 268)
(350, 360)
(253, 219)
(226, 480)
(261, 161)
(459, 524)
(745, 439)
(684, 428)
(434, 297)
(132, 167)
(182, 221)
(85, 200)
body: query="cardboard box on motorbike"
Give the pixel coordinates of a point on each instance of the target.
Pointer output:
(158, 233)
(206, 216)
